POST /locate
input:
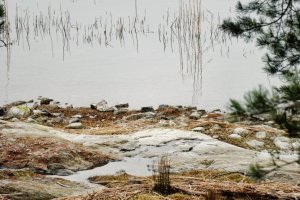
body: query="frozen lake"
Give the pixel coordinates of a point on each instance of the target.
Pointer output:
(82, 51)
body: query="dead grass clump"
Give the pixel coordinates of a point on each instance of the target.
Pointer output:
(161, 176)
(213, 175)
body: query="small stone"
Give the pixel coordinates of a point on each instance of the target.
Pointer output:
(216, 127)
(42, 113)
(240, 131)
(30, 120)
(15, 119)
(74, 120)
(76, 125)
(120, 111)
(195, 115)
(49, 122)
(190, 108)
(215, 136)
(57, 114)
(2, 111)
(260, 134)
(149, 115)
(147, 109)
(163, 123)
(77, 116)
(102, 106)
(271, 122)
(164, 117)
(17, 103)
(255, 144)
(42, 119)
(124, 105)
(45, 101)
(35, 106)
(217, 111)
(283, 143)
(163, 106)
(120, 172)
(93, 106)
(262, 117)
(198, 129)
(58, 119)
(235, 136)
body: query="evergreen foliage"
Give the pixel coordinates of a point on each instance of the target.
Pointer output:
(255, 102)
(2, 14)
(276, 26)
(256, 172)
(258, 100)
(262, 101)
(236, 107)
(291, 91)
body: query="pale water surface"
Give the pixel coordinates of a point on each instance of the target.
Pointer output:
(141, 73)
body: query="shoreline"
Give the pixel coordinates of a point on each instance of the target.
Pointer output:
(46, 138)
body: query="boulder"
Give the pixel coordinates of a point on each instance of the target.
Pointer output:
(19, 111)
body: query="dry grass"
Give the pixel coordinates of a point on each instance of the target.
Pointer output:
(204, 185)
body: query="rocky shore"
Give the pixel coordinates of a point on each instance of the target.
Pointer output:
(41, 138)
